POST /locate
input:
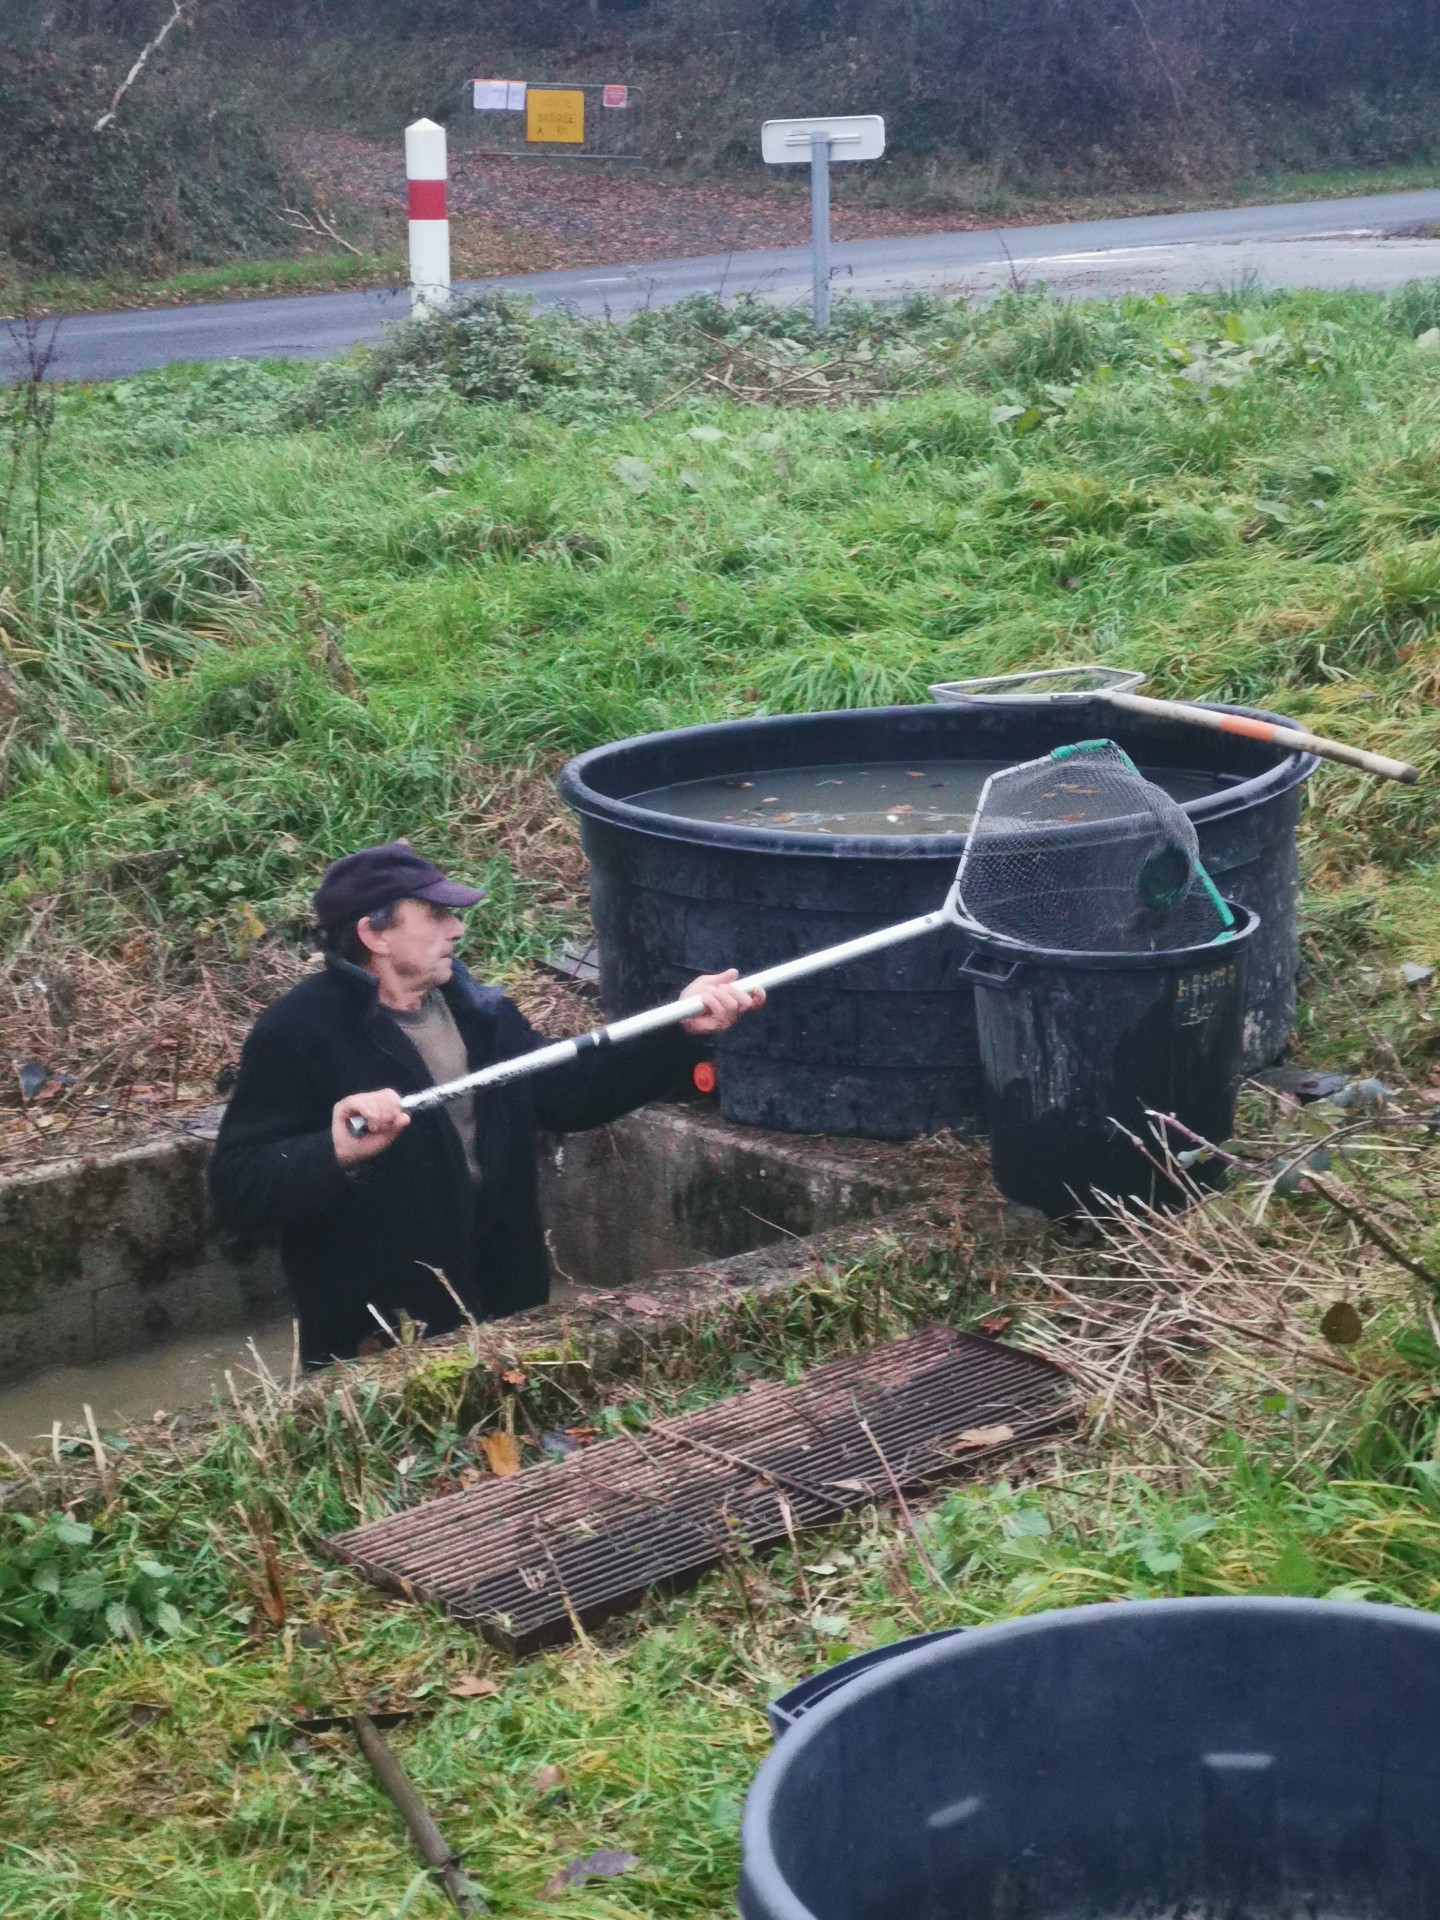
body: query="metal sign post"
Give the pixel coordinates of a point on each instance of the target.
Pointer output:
(859, 136)
(820, 229)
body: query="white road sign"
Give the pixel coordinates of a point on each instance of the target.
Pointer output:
(852, 136)
(499, 96)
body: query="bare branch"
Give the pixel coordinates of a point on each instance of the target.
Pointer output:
(1159, 58)
(315, 223)
(182, 16)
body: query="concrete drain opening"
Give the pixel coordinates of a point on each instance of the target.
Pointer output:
(115, 1292)
(533, 1559)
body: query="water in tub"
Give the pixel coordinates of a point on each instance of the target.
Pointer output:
(876, 797)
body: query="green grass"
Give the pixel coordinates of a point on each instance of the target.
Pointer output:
(657, 1728)
(1236, 496)
(1239, 497)
(1338, 183)
(247, 279)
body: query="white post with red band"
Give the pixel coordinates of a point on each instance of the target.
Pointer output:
(425, 171)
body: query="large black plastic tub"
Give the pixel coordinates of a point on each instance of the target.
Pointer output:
(886, 1047)
(1078, 1049)
(1176, 1759)
(806, 1695)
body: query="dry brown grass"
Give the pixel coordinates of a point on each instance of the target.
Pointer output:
(129, 1039)
(1180, 1325)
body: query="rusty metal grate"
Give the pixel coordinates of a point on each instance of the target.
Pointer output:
(523, 1558)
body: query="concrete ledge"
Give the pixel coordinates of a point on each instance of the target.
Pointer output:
(102, 1257)
(674, 1186)
(608, 1335)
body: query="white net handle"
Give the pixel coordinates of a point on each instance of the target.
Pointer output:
(1041, 683)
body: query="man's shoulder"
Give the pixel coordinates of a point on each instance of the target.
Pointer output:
(476, 997)
(317, 998)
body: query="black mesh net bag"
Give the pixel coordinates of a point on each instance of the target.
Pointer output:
(1079, 852)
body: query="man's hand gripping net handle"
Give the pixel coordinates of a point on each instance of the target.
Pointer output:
(560, 1052)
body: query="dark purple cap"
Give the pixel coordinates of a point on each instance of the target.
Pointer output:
(376, 877)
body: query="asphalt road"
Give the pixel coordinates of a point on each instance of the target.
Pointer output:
(1321, 243)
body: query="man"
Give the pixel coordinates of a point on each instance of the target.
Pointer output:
(452, 1191)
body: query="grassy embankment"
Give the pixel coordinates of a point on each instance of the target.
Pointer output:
(1238, 499)
(254, 640)
(1239, 1454)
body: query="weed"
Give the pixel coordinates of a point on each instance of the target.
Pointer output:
(65, 1585)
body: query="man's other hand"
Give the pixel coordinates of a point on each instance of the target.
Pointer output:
(385, 1120)
(724, 1001)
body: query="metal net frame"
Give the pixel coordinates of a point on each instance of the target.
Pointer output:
(1040, 683)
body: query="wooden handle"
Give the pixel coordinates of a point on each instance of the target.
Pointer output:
(1265, 730)
(434, 1850)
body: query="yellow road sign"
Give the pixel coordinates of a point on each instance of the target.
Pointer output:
(555, 114)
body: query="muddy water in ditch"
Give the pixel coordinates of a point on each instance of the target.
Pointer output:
(123, 1392)
(877, 797)
(183, 1373)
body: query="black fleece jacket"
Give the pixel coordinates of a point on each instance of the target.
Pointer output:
(373, 1233)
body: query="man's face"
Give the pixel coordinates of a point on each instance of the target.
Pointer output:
(419, 943)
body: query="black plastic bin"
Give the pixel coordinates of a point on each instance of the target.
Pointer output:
(807, 1694)
(1171, 1759)
(885, 1047)
(1074, 1047)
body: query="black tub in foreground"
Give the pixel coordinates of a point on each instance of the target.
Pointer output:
(807, 1694)
(885, 1047)
(1210, 1759)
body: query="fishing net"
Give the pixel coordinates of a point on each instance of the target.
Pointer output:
(1080, 852)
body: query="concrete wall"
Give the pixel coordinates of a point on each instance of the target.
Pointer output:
(105, 1257)
(673, 1187)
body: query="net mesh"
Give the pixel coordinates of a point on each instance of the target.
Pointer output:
(1080, 852)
